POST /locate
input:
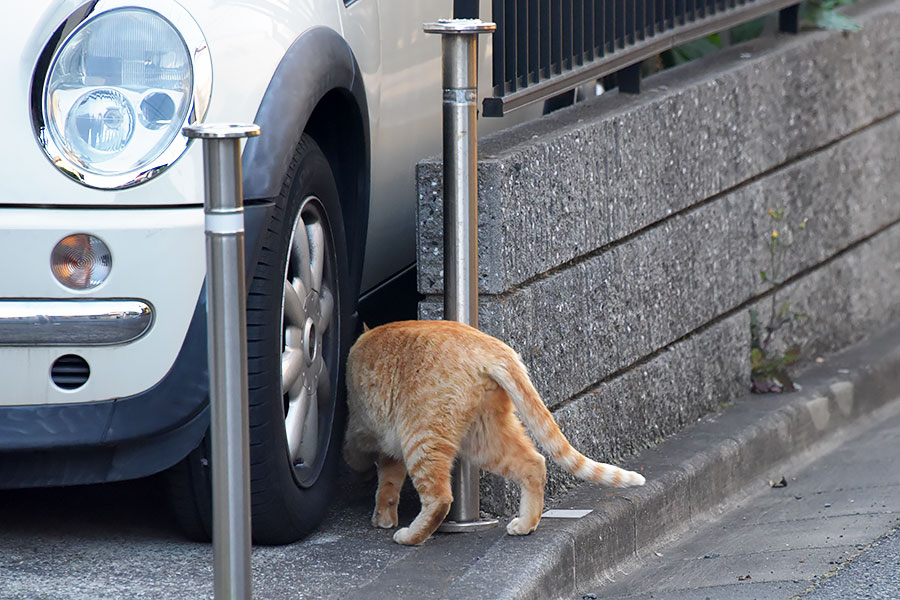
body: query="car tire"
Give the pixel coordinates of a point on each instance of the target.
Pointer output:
(299, 329)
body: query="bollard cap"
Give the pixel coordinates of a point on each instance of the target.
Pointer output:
(220, 131)
(460, 26)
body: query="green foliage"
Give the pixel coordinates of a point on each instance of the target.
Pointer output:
(748, 31)
(711, 43)
(824, 15)
(771, 356)
(691, 51)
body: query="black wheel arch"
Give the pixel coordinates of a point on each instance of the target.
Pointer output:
(316, 89)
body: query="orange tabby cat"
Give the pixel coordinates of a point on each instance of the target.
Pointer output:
(421, 392)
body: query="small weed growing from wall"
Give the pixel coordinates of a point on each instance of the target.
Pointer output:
(771, 349)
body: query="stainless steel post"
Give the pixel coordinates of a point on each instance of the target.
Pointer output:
(227, 354)
(459, 39)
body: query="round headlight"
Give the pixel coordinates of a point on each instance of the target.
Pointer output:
(118, 89)
(99, 125)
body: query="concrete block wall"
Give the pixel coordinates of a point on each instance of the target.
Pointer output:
(620, 240)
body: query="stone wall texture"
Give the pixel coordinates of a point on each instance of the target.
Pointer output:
(621, 240)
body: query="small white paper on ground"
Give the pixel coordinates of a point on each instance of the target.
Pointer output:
(566, 513)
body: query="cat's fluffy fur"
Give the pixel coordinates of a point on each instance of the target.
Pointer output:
(421, 392)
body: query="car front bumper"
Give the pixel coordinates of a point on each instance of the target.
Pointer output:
(115, 436)
(123, 438)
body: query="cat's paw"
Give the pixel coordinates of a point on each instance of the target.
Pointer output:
(403, 536)
(385, 518)
(518, 527)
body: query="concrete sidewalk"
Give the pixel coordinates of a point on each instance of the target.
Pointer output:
(118, 541)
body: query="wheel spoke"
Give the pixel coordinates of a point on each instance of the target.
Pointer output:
(294, 423)
(308, 446)
(324, 384)
(291, 369)
(316, 235)
(300, 256)
(293, 338)
(326, 309)
(293, 307)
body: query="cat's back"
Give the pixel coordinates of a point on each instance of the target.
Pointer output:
(402, 336)
(423, 344)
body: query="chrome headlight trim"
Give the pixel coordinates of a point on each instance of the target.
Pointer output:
(201, 68)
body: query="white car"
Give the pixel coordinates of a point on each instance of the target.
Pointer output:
(103, 359)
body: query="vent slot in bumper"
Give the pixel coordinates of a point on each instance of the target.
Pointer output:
(70, 372)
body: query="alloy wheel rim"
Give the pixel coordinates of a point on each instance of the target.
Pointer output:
(308, 339)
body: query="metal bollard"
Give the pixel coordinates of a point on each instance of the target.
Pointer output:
(459, 39)
(227, 354)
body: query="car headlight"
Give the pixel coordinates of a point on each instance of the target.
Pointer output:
(115, 86)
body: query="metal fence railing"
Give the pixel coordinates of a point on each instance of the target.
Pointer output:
(544, 47)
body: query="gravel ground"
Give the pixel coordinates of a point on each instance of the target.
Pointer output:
(874, 573)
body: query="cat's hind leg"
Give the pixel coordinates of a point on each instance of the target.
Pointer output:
(391, 475)
(507, 451)
(429, 464)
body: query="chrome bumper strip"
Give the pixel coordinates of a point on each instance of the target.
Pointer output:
(72, 322)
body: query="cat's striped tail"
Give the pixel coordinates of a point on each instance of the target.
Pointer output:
(513, 378)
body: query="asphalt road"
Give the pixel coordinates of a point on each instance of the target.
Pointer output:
(874, 574)
(119, 541)
(814, 533)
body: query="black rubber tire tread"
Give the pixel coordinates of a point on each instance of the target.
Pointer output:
(283, 511)
(190, 495)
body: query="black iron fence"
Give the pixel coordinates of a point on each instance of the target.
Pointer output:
(544, 47)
